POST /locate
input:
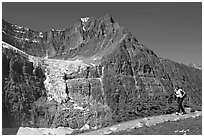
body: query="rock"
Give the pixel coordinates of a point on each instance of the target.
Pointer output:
(176, 119)
(197, 115)
(138, 125)
(94, 127)
(28, 131)
(113, 128)
(129, 129)
(85, 127)
(188, 110)
(78, 107)
(107, 132)
(61, 131)
(150, 123)
(44, 131)
(22, 86)
(193, 116)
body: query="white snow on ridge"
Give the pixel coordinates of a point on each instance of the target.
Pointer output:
(26, 39)
(8, 46)
(83, 22)
(85, 19)
(41, 35)
(60, 30)
(19, 31)
(16, 31)
(35, 40)
(93, 64)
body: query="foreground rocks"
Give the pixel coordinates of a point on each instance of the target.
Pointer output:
(44, 131)
(92, 75)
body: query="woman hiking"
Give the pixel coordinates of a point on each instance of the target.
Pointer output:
(180, 95)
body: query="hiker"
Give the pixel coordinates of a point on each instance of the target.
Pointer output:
(180, 95)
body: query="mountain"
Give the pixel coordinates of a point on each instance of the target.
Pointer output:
(197, 66)
(94, 73)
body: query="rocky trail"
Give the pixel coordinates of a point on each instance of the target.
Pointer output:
(147, 121)
(129, 125)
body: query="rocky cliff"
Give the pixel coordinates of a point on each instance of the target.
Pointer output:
(95, 73)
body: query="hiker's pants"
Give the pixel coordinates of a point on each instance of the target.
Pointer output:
(180, 106)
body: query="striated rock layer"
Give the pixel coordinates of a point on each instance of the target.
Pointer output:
(94, 73)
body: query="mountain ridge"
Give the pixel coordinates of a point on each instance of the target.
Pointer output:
(96, 69)
(55, 41)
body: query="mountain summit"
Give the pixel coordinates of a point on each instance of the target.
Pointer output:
(87, 38)
(94, 73)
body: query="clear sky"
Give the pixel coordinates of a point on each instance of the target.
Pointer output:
(171, 30)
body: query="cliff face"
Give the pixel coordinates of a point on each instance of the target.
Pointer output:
(22, 84)
(104, 76)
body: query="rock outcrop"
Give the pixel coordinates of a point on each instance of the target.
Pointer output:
(94, 73)
(22, 84)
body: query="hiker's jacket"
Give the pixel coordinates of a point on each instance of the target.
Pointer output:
(180, 93)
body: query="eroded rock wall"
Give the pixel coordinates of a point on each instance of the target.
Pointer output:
(22, 84)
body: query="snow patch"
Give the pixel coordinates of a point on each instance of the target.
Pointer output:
(60, 30)
(26, 39)
(95, 58)
(85, 19)
(113, 128)
(35, 41)
(93, 64)
(16, 30)
(83, 28)
(78, 107)
(41, 35)
(85, 127)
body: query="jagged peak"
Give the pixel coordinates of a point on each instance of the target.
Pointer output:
(16, 26)
(85, 19)
(108, 17)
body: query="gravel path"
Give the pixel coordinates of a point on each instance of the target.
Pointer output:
(190, 126)
(147, 121)
(129, 125)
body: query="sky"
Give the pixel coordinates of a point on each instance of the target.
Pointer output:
(171, 30)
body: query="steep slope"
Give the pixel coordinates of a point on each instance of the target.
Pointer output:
(22, 84)
(97, 73)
